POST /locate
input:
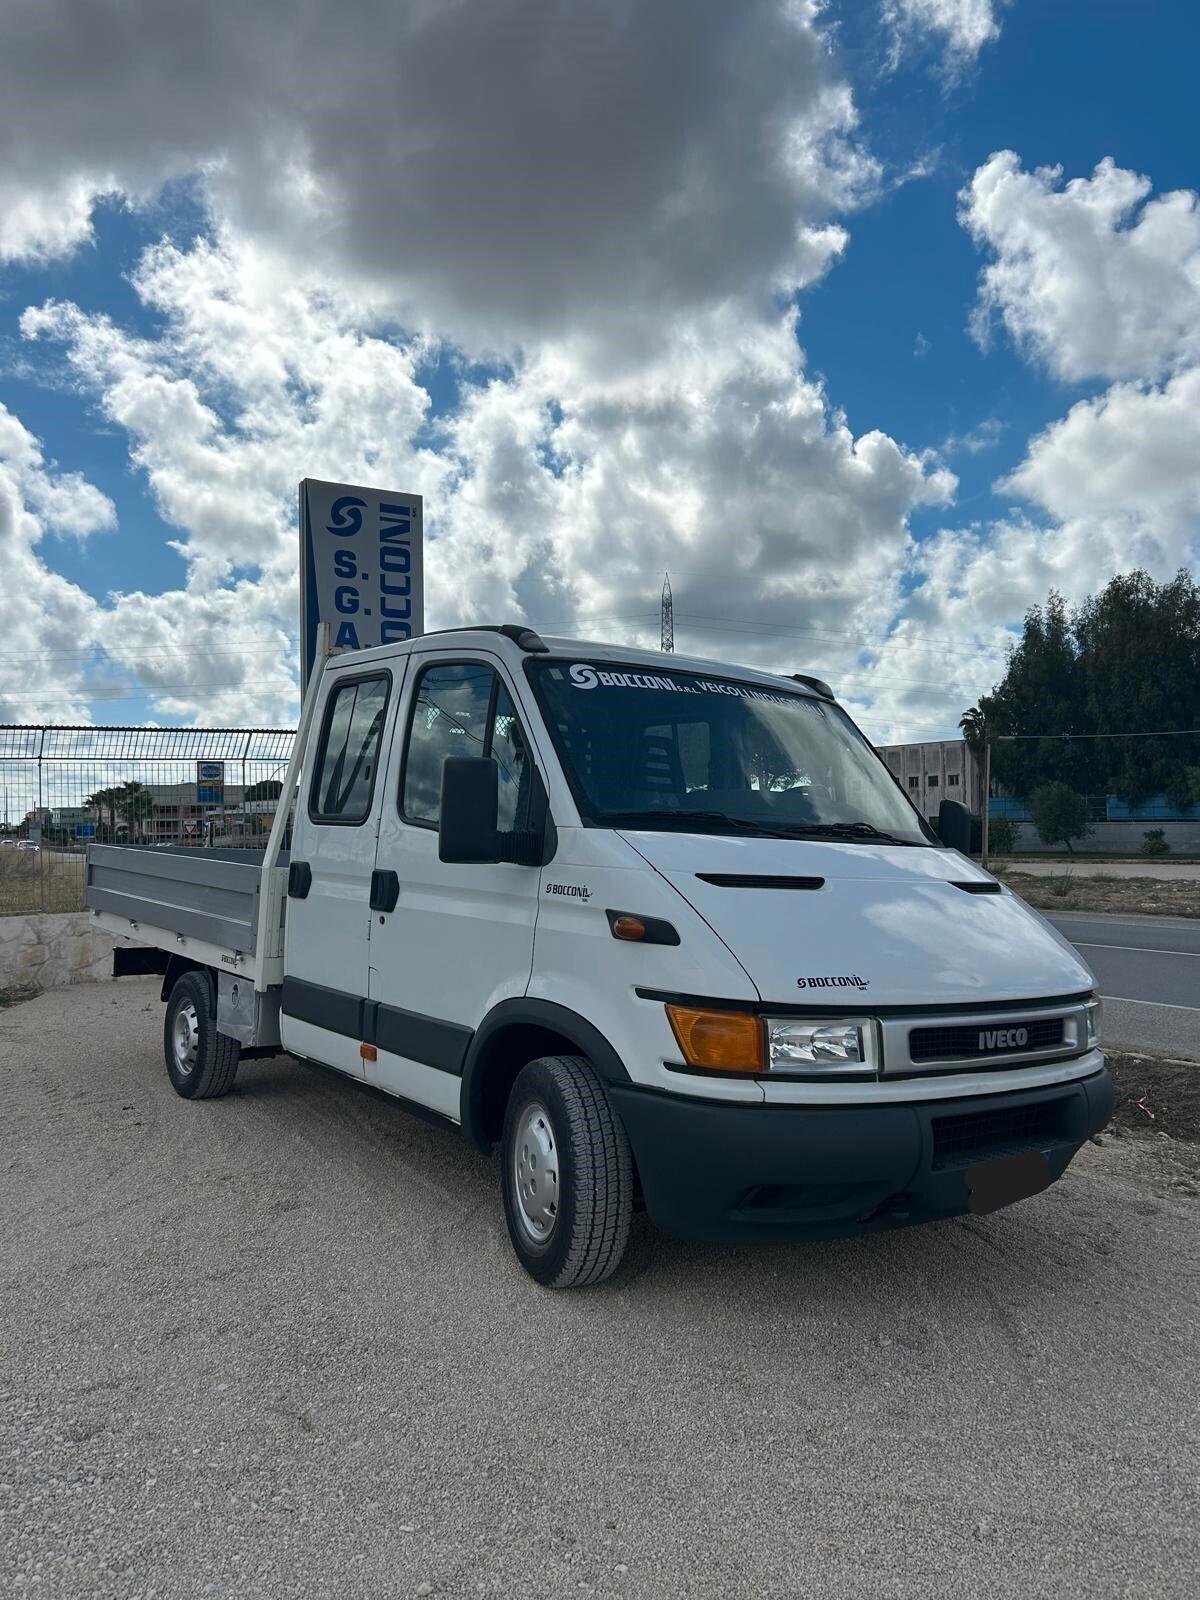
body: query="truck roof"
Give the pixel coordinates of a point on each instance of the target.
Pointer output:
(487, 636)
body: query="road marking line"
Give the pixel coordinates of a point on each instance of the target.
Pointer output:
(1143, 949)
(1124, 1000)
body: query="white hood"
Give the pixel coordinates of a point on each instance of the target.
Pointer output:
(887, 925)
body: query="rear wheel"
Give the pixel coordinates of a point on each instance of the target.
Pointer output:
(201, 1063)
(567, 1174)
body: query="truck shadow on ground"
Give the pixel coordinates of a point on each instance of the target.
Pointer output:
(1030, 1251)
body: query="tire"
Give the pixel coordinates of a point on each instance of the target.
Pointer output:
(567, 1174)
(201, 1063)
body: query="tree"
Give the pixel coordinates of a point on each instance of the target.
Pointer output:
(1126, 660)
(973, 727)
(264, 789)
(135, 802)
(1058, 813)
(100, 801)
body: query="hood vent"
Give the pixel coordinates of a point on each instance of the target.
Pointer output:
(757, 880)
(976, 888)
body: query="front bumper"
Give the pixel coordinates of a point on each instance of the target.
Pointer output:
(735, 1173)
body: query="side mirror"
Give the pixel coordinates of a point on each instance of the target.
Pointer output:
(467, 831)
(470, 791)
(954, 826)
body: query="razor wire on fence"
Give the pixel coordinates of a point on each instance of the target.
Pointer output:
(63, 788)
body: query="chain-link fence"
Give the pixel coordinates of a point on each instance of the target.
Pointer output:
(64, 787)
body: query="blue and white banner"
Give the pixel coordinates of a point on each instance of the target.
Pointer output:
(361, 567)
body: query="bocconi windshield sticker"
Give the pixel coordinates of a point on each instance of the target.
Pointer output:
(585, 677)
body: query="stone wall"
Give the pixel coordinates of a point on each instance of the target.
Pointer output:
(48, 949)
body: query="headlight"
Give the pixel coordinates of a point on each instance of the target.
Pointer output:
(796, 1045)
(1095, 1021)
(741, 1042)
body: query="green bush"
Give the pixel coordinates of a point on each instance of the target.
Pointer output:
(1002, 836)
(1154, 843)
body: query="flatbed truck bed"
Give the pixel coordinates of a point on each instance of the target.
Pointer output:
(222, 908)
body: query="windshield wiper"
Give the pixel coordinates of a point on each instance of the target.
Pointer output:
(839, 830)
(681, 814)
(764, 828)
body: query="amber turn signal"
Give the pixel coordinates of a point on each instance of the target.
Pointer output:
(627, 927)
(720, 1041)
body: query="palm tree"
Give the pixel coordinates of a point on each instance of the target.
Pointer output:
(135, 803)
(973, 727)
(100, 801)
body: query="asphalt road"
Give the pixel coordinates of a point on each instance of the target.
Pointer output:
(276, 1345)
(1148, 969)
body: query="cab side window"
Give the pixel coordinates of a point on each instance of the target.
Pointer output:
(462, 709)
(344, 779)
(449, 718)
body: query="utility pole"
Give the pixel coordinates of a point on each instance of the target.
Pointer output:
(667, 637)
(987, 790)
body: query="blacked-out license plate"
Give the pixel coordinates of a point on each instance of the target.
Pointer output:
(999, 1182)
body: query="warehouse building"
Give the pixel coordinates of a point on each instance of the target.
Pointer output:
(940, 769)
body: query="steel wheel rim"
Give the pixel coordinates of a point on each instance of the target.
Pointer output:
(535, 1173)
(185, 1038)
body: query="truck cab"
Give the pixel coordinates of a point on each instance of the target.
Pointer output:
(666, 933)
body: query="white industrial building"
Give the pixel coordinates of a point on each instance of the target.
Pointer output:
(940, 769)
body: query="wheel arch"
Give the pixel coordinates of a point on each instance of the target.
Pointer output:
(175, 969)
(516, 1032)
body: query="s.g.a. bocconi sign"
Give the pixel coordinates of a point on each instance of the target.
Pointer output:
(360, 566)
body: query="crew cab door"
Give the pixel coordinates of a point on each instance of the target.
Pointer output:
(329, 875)
(459, 938)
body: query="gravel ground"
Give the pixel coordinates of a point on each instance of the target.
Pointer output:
(1162, 868)
(1142, 896)
(277, 1345)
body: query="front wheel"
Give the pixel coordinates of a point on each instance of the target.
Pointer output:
(567, 1174)
(201, 1063)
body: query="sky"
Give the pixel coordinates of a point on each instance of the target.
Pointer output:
(871, 321)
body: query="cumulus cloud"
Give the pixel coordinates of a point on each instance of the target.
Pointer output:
(1120, 475)
(963, 26)
(1092, 279)
(596, 217)
(496, 173)
(558, 492)
(45, 615)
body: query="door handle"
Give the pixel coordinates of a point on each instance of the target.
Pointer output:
(385, 889)
(299, 880)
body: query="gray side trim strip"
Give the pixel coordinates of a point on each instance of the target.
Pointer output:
(429, 1040)
(324, 1008)
(425, 1039)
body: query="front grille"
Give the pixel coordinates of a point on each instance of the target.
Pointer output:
(971, 1135)
(964, 1040)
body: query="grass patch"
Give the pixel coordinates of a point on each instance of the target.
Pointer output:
(18, 993)
(44, 880)
(1138, 897)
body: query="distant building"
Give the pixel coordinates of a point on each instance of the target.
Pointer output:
(942, 769)
(175, 816)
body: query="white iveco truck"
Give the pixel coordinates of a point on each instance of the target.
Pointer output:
(666, 932)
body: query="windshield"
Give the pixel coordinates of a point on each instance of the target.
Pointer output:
(720, 755)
